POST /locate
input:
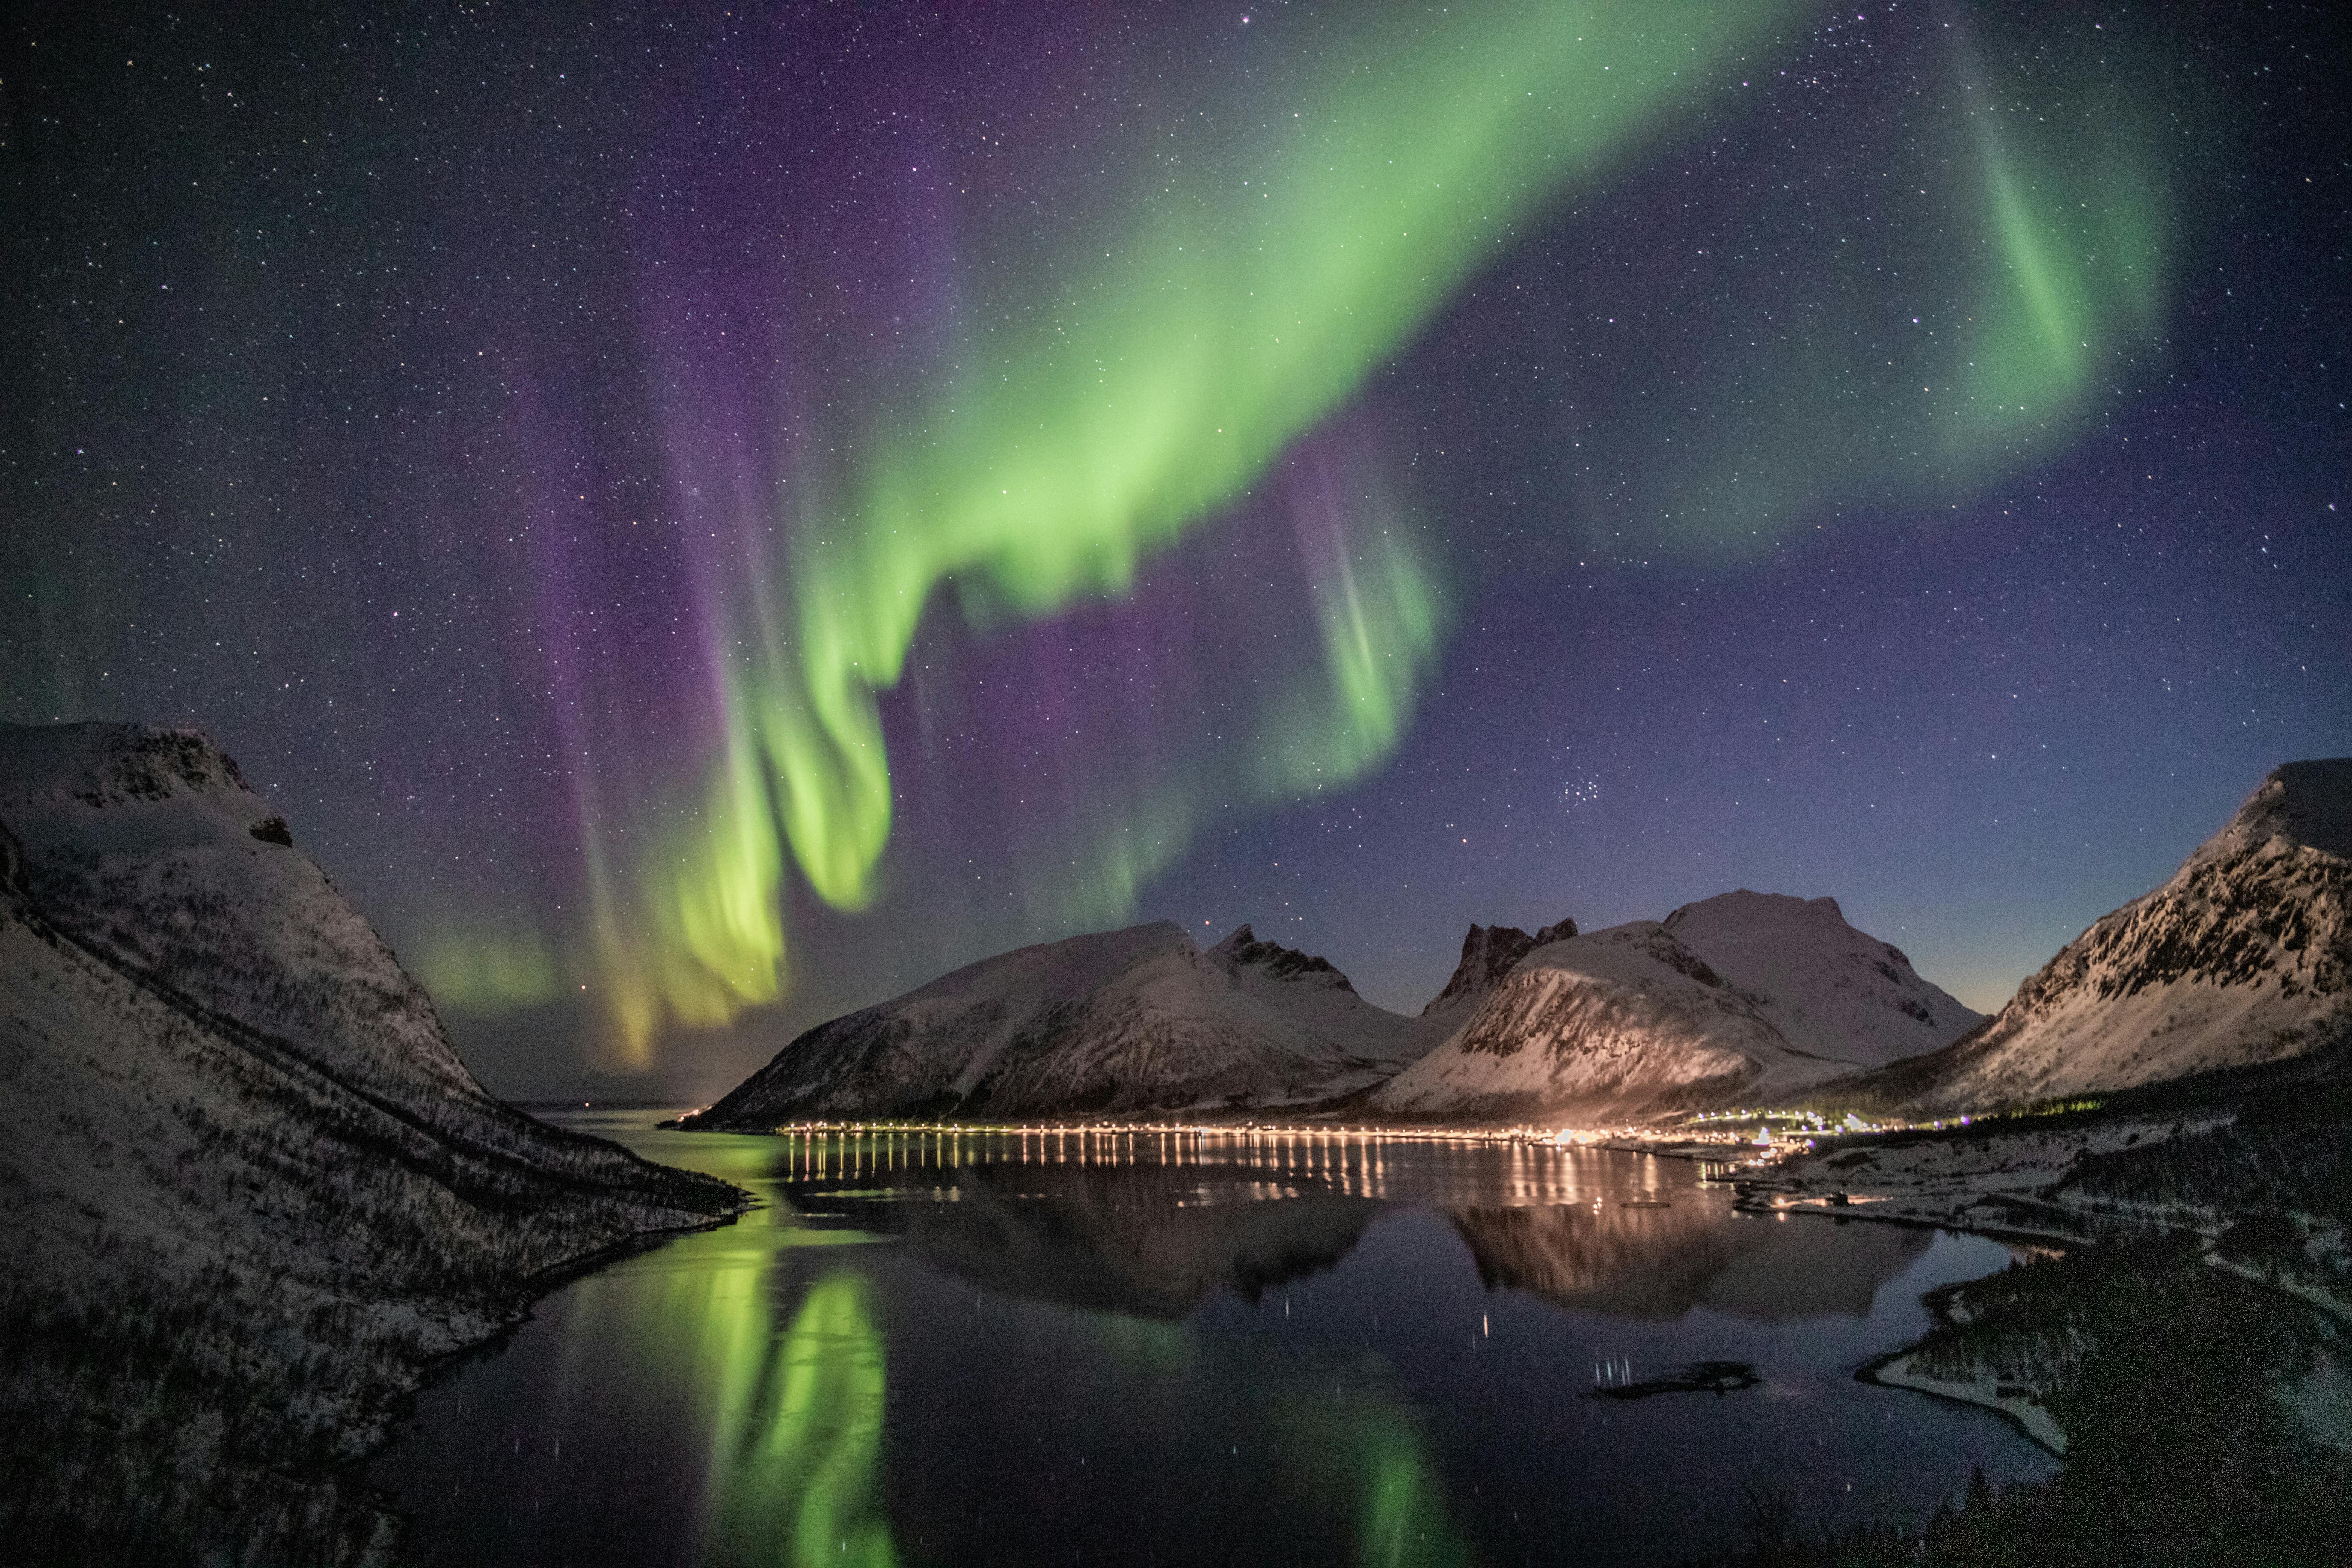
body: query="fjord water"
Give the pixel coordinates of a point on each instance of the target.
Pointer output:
(1183, 1349)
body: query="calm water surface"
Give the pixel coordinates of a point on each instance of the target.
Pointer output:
(1144, 1349)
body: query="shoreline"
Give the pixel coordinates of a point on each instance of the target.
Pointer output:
(1983, 1184)
(2025, 1413)
(377, 1430)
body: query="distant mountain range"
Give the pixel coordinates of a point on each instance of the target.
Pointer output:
(1746, 999)
(2241, 962)
(249, 1188)
(1745, 994)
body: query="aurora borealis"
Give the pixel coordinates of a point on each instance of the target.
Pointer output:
(707, 519)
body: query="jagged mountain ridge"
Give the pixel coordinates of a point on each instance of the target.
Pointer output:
(250, 1189)
(1488, 954)
(2241, 957)
(1742, 997)
(1133, 1020)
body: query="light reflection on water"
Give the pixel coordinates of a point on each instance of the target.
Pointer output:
(1167, 1349)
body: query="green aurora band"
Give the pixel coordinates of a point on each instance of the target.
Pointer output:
(790, 1415)
(2026, 236)
(1231, 316)
(795, 1423)
(1366, 1445)
(1221, 318)
(1221, 312)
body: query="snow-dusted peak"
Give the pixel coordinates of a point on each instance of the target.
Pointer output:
(1051, 973)
(2242, 957)
(126, 787)
(1744, 912)
(2309, 804)
(1639, 953)
(240, 1161)
(1242, 950)
(98, 765)
(1832, 990)
(1120, 1021)
(1608, 1024)
(148, 847)
(1738, 996)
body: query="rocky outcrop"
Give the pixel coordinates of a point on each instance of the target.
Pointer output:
(1243, 951)
(1488, 954)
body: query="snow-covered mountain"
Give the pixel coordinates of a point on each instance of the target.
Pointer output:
(248, 1186)
(1135, 1020)
(2244, 957)
(1739, 997)
(1831, 990)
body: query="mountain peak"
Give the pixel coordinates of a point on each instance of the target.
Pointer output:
(2242, 957)
(101, 766)
(1488, 952)
(1131, 1021)
(212, 1059)
(1748, 909)
(1242, 949)
(2307, 803)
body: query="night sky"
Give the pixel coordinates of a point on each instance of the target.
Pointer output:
(704, 519)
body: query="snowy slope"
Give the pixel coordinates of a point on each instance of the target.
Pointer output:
(2244, 956)
(1622, 1023)
(1830, 989)
(240, 1160)
(1130, 1020)
(1738, 998)
(148, 847)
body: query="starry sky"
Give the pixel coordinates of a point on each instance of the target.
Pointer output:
(703, 518)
